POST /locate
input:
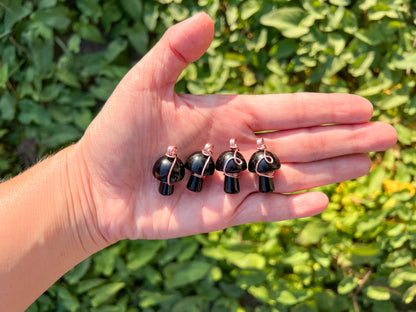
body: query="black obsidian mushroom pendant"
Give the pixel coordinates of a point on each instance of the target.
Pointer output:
(201, 164)
(231, 163)
(168, 169)
(264, 163)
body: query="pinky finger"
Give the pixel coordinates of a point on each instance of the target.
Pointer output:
(258, 207)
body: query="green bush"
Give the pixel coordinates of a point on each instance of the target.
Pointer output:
(60, 60)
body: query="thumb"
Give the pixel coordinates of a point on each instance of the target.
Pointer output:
(181, 44)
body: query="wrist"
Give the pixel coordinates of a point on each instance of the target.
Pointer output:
(81, 206)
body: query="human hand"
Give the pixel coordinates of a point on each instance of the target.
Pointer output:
(144, 115)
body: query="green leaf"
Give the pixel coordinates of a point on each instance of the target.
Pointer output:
(54, 17)
(405, 135)
(188, 251)
(232, 17)
(349, 23)
(365, 254)
(150, 15)
(333, 18)
(90, 8)
(104, 261)
(115, 48)
(401, 275)
(362, 64)
(4, 75)
(405, 61)
(149, 299)
(371, 221)
(30, 112)
(181, 274)
(89, 32)
(249, 8)
(3, 132)
(189, 304)
(15, 13)
(287, 20)
(398, 258)
(133, 8)
(376, 177)
(409, 294)
(7, 106)
(42, 55)
(139, 38)
(45, 4)
(178, 12)
(61, 134)
(75, 274)
(143, 252)
(340, 2)
(291, 297)
(83, 118)
(378, 293)
(67, 300)
(347, 285)
(104, 293)
(312, 233)
(88, 284)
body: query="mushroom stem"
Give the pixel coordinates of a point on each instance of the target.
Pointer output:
(195, 183)
(166, 189)
(231, 185)
(266, 184)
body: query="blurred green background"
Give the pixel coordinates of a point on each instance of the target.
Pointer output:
(60, 60)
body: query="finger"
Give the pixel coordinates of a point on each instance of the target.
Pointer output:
(287, 111)
(293, 177)
(259, 207)
(310, 144)
(182, 44)
(299, 110)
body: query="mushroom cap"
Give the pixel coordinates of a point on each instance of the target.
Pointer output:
(162, 167)
(264, 166)
(196, 163)
(232, 166)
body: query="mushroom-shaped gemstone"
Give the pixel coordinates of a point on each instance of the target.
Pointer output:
(231, 163)
(200, 164)
(264, 163)
(168, 169)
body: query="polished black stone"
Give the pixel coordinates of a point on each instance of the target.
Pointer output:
(266, 184)
(263, 167)
(231, 185)
(232, 166)
(195, 163)
(195, 183)
(161, 170)
(166, 189)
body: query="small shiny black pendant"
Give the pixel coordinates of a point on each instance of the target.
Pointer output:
(264, 163)
(231, 163)
(168, 169)
(201, 164)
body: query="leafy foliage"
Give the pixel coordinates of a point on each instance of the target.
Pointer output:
(60, 60)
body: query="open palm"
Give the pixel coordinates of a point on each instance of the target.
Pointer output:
(144, 115)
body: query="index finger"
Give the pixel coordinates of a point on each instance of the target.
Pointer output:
(300, 110)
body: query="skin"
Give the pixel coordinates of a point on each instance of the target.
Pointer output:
(101, 189)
